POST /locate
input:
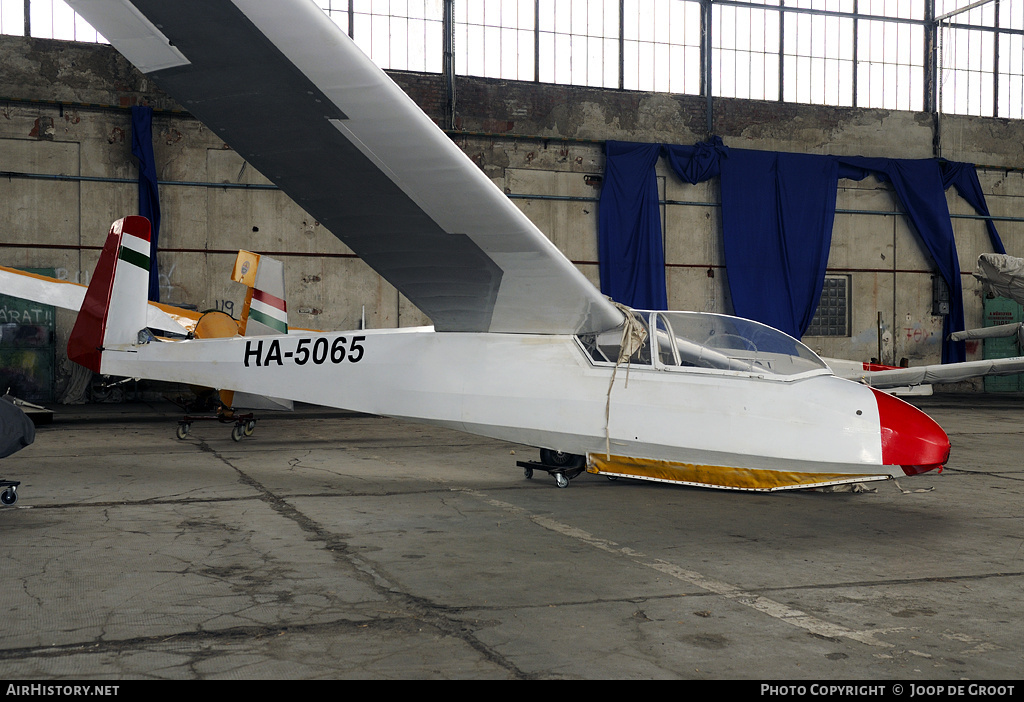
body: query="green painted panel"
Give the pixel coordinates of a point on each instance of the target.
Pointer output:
(1000, 310)
(27, 347)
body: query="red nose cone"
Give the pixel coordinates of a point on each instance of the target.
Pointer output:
(910, 438)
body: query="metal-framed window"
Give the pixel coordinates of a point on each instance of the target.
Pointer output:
(661, 46)
(745, 50)
(404, 35)
(496, 39)
(1010, 77)
(948, 56)
(12, 17)
(981, 64)
(578, 42)
(338, 11)
(891, 61)
(54, 19)
(819, 54)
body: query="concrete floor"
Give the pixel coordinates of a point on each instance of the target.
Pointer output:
(330, 545)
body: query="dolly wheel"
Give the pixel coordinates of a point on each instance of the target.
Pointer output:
(560, 459)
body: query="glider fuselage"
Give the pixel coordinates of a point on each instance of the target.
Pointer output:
(544, 390)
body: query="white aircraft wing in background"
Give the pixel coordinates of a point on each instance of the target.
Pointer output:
(890, 377)
(69, 296)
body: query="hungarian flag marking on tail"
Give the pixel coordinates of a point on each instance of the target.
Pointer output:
(269, 310)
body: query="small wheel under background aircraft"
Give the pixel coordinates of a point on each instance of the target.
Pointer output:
(238, 431)
(9, 496)
(183, 430)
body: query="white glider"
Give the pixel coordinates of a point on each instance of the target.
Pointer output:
(523, 347)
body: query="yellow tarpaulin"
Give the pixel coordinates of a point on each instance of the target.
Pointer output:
(719, 476)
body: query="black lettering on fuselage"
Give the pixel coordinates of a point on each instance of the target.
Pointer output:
(316, 350)
(274, 353)
(249, 351)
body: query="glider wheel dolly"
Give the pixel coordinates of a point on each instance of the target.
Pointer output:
(10, 492)
(245, 424)
(562, 466)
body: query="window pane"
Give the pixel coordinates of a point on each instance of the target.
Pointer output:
(818, 59)
(1011, 76)
(903, 9)
(337, 10)
(54, 19)
(574, 50)
(494, 38)
(966, 80)
(745, 53)
(890, 66)
(12, 17)
(667, 34)
(396, 33)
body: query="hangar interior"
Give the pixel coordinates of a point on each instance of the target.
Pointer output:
(532, 91)
(333, 545)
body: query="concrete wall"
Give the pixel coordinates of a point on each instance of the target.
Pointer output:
(64, 112)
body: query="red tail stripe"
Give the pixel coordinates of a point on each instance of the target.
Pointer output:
(268, 299)
(137, 226)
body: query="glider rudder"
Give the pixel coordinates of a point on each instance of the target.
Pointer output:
(114, 309)
(265, 310)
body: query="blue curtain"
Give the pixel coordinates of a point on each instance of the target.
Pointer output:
(777, 212)
(919, 187)
(632, 259)
(964, 177)
(699, 162)
(777, 215)
(149, 198)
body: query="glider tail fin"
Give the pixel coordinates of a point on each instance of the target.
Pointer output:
(265, 310)
(114, 310)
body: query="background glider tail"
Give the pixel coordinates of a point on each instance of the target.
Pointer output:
(114, 309)
(265, 310)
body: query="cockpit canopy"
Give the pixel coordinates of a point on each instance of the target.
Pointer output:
(702, 340)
